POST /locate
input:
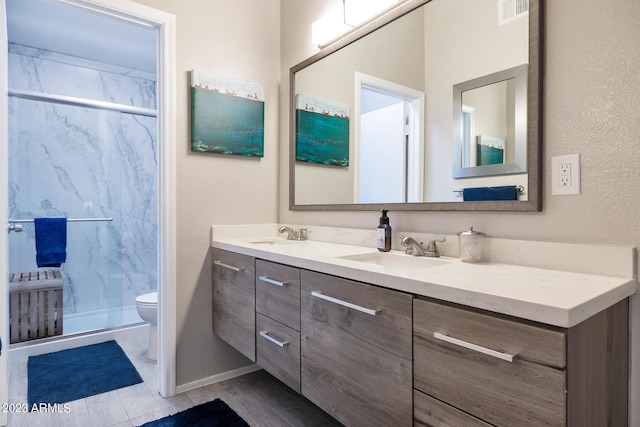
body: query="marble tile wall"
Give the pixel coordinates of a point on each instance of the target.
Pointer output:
(79, 162)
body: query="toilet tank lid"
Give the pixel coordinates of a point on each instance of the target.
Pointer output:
(150, 298)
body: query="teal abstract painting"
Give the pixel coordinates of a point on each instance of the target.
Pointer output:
(490, 150)
(322, 131)
(227, 116)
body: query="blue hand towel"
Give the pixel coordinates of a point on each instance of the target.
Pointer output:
(51, 241)
(506, 192)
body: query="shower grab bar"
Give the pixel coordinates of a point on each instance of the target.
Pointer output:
(27, 221)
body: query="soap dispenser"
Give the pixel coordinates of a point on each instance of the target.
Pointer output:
(384, 233)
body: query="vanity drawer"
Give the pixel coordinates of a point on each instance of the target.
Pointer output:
(356, 351)
(430, 412)
(530, 390)
(278, 349)
(234, 300)
(278, 292)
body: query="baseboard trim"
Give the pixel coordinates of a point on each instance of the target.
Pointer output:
(217, 378)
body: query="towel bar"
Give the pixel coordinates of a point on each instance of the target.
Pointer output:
(14, 224)
(26, 221)
(519, 188)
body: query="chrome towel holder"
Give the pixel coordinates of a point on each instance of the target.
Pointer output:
(15, 224)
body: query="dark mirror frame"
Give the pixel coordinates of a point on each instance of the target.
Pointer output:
(534, 123)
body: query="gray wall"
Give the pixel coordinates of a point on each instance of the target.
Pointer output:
(591, 107)
(238, 39)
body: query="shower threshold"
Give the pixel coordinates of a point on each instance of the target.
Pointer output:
(63, 342)
(96, 320)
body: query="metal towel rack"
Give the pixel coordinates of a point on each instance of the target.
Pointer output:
(14, 224)
(519, 188)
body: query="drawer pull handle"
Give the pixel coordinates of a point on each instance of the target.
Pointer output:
(474, 347)
(320, 295)
(273, 282)
(265, 334)
(230, 267)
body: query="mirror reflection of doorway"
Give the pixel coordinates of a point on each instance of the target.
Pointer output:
(389, 166)
(468, 133)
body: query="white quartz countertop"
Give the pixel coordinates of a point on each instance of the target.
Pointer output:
(553, 297)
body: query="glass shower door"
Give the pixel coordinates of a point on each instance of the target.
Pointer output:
(86, 163)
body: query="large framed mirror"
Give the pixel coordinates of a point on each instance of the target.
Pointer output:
(394, 114)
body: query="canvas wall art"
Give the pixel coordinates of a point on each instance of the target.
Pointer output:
(227, 116)
(322, 131)
(490, 150)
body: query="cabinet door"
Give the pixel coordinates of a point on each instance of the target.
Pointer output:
(234, 311)
(356, 351)
(278, 292)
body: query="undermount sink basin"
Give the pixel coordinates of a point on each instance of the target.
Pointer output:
(273, 242)
(397, 261)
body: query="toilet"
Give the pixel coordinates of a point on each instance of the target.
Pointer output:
(147, 306)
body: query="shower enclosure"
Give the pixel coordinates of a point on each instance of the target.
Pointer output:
(83, 145)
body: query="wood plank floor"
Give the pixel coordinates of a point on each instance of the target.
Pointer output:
(258, 398)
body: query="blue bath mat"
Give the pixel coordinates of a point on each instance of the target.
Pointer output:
(76, 373)
(210, 414)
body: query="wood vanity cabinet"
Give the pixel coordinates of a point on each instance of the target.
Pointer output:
(234, 308)
(373, 356)
(356, 350)
(278, 321)
(557, 377)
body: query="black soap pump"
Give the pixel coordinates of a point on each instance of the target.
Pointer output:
(384, 233)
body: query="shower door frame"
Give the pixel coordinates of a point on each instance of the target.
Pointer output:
(165, 25)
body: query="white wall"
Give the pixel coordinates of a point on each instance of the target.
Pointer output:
(237, 39)
(591, 99)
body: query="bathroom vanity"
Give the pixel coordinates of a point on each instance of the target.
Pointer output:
(391, 339)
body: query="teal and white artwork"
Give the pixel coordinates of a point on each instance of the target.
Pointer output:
(227, 116)
(322, 131)
(490, 150)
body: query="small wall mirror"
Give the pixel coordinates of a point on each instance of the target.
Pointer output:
(490, 124)
(394, 115)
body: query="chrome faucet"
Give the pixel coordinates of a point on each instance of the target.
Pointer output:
(432, 247)
(292, 234)
(415, 248)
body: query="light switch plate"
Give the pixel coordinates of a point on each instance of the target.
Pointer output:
(565, 175)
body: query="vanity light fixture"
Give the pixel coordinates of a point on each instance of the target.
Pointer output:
(358, 11)
(328, 27)
(353, 13)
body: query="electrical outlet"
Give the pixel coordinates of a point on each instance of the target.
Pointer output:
(565, 171)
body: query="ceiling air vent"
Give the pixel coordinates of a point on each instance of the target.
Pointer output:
(508, 10)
